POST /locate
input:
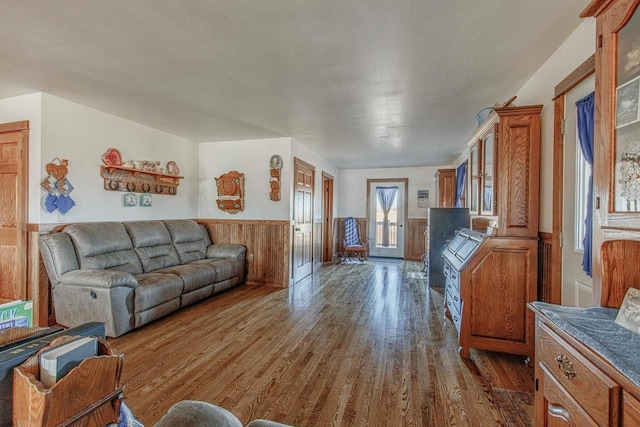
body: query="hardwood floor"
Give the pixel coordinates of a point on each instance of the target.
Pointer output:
(354, 345)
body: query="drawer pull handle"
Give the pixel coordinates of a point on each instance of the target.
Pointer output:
(565, 366)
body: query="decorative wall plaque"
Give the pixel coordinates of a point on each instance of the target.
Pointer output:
(230, 192)
(275, 164)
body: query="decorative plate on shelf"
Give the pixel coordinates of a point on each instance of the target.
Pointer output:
(112, 157)
(172, 168)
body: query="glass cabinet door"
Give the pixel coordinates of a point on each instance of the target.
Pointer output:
(474, 176)
(626, 167)
(488, 157)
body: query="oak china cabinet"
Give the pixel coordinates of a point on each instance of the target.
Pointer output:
(490, 277)
(579, 380)
(616, 173)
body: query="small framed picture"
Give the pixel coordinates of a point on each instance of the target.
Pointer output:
(130, 200)
(146, 200)
(629, 313)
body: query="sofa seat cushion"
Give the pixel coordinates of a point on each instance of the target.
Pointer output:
(194, 276)
(152, 243)
(155, 289)
(225, 268)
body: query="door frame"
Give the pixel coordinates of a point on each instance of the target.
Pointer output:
(22, 198)
(297, 161)
(577, 76)
(406, 205)
(327, 217)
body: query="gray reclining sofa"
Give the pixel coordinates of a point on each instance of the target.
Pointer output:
(127, 274)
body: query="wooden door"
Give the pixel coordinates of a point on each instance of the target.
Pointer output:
(327, 217)
(14, 144)
(303, 220)
(577, 287)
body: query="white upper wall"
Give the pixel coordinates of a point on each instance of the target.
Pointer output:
(540, 89)
(81, 135)
(17, 109)
(353, 188)
(250, 157)
(322, 165)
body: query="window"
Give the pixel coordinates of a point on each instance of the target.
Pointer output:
(583, 170)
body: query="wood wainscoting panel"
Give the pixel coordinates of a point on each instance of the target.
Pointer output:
(317, 244)
(268, 247)
(546, 291)
(415, 239)
(38, 286)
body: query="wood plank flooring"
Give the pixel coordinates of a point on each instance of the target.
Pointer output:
(353, 345)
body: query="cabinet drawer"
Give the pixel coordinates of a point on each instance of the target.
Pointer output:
(559, 407)
(452, 275)
(630, 411)
(593, 390)
(453, 297)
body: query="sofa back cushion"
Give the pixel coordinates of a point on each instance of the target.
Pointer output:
(152, 242)
(188, 238)
(58, 255)
(104, 246)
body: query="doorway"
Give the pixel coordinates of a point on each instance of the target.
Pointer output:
(304, 174)
(327, 217)
(14, 160)
(386, 217)
(577, 287)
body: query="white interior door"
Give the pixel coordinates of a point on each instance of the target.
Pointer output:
(386, 241)
(577, 287)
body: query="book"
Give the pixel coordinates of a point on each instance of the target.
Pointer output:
(16, 314)
(629, 313)
(16, 355)
(59, 361)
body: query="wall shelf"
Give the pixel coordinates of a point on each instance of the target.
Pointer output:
(118, 178)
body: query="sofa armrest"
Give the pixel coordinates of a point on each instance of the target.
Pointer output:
(226, 250)
(99, 278)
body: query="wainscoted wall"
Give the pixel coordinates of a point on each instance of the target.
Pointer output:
(37, 280)
(268, 247)
(545, 268)
(415, 239)
(317, 244)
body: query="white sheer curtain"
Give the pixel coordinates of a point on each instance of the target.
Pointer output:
(386, 197)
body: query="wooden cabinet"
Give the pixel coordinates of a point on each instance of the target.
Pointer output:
(616, 180)
(483, 154)
(577, 386)
(489, 281)
(445, 196)
(497, 279)
(505, 169)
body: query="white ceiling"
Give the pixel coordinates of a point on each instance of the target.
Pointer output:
(364, 83)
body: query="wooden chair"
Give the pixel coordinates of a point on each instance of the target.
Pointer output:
(353, 243)
(620, 270)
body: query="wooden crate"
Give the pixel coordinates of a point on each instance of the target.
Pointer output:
(89, 395)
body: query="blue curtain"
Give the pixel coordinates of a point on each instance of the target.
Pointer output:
(461, 175)
(585, 135)
(386, 197)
